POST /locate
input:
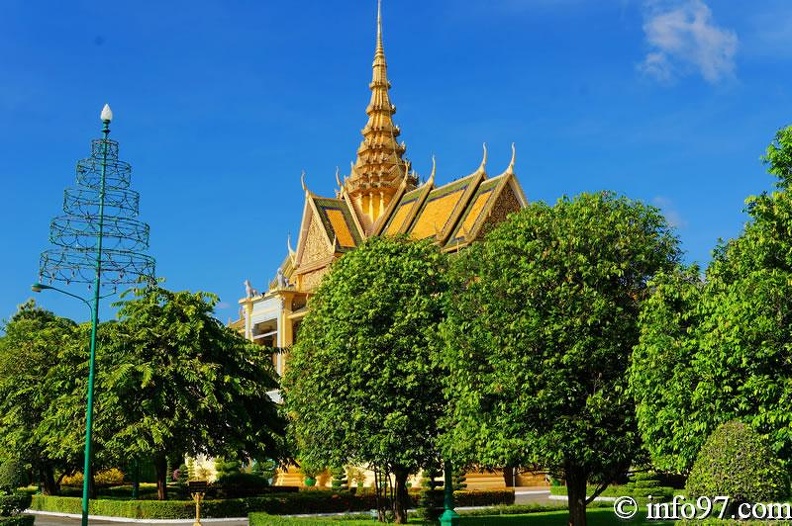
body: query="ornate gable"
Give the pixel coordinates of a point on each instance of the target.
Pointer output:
(492, 202)
(443, 206)
(314, 248)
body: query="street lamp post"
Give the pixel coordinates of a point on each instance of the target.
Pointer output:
(449, 516)
(99, 242)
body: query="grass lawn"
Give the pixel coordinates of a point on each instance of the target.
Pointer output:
(596, 517)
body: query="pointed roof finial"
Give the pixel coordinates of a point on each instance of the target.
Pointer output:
(483, 165)
(302, 182)
(510, 169)
(338, 177)
(434, 170)
(288, 245)
(380, 163)
(380, 47)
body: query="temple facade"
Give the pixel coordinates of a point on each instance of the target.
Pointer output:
(381, 195)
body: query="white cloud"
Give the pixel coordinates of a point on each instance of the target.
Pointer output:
(684, 37)
(670, 212)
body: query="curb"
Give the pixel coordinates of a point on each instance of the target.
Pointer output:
(134, 520)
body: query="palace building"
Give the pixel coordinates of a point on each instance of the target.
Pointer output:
(381, 195)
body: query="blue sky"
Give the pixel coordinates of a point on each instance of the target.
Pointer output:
(220, 104)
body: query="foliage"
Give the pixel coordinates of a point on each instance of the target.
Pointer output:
(718, 350)
(18, 520)
(646, 485)
(339, 477)
(14, 504)
(35, 341)
(12, 475)
(264, 468)
(662, 374)
(236, 485)
(356, 476)
(227, 467)
(542, 318)
(314, 501)
(459, 479)
(175, 380)
(735, 462)
(430, 504)
(360, 386)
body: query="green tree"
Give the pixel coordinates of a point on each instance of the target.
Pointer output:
(360, 385)
(730, 336)
(172, 379)
(30, 349)
(662, 374)
(542, 319)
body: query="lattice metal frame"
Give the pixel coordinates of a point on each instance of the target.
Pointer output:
(100, 214)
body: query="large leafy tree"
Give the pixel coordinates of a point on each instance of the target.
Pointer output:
(542, 319)
(173, 380)
(736, 343)
(360, 385)
(30, 349)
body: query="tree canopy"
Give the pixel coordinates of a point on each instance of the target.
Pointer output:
(735, 342)
(542, 319)
(179, 381)
(29, 351)
(360, 385)
(171, 380)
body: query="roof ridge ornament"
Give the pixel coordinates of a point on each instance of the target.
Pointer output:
(302, 182)
(483, 166)
(510, 168)
(434, 171)
(292, 253)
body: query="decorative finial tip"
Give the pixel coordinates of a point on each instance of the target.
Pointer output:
(107, 114)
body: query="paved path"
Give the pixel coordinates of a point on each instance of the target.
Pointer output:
(531, 495)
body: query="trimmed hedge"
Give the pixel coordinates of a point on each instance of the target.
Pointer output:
(316, 501)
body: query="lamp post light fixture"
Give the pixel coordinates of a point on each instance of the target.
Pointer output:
(100, 243)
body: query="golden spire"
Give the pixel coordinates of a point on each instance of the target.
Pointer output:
(379, 168)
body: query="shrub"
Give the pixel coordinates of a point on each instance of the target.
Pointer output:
(339, 478)
(645, 484)
(356, 476)
(430, 503)
(18, 520)
(13, 504)
(109, 477)
(12, 475)
(266, 468)
(236, 485)
(734, 461)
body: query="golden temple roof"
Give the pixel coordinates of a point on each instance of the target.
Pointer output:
(381, 196)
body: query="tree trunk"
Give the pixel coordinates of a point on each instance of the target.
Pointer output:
(47, 479)
(401, 498)
(161, 467)
(576, 495)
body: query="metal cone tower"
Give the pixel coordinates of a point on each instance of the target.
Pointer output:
(99, 242)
